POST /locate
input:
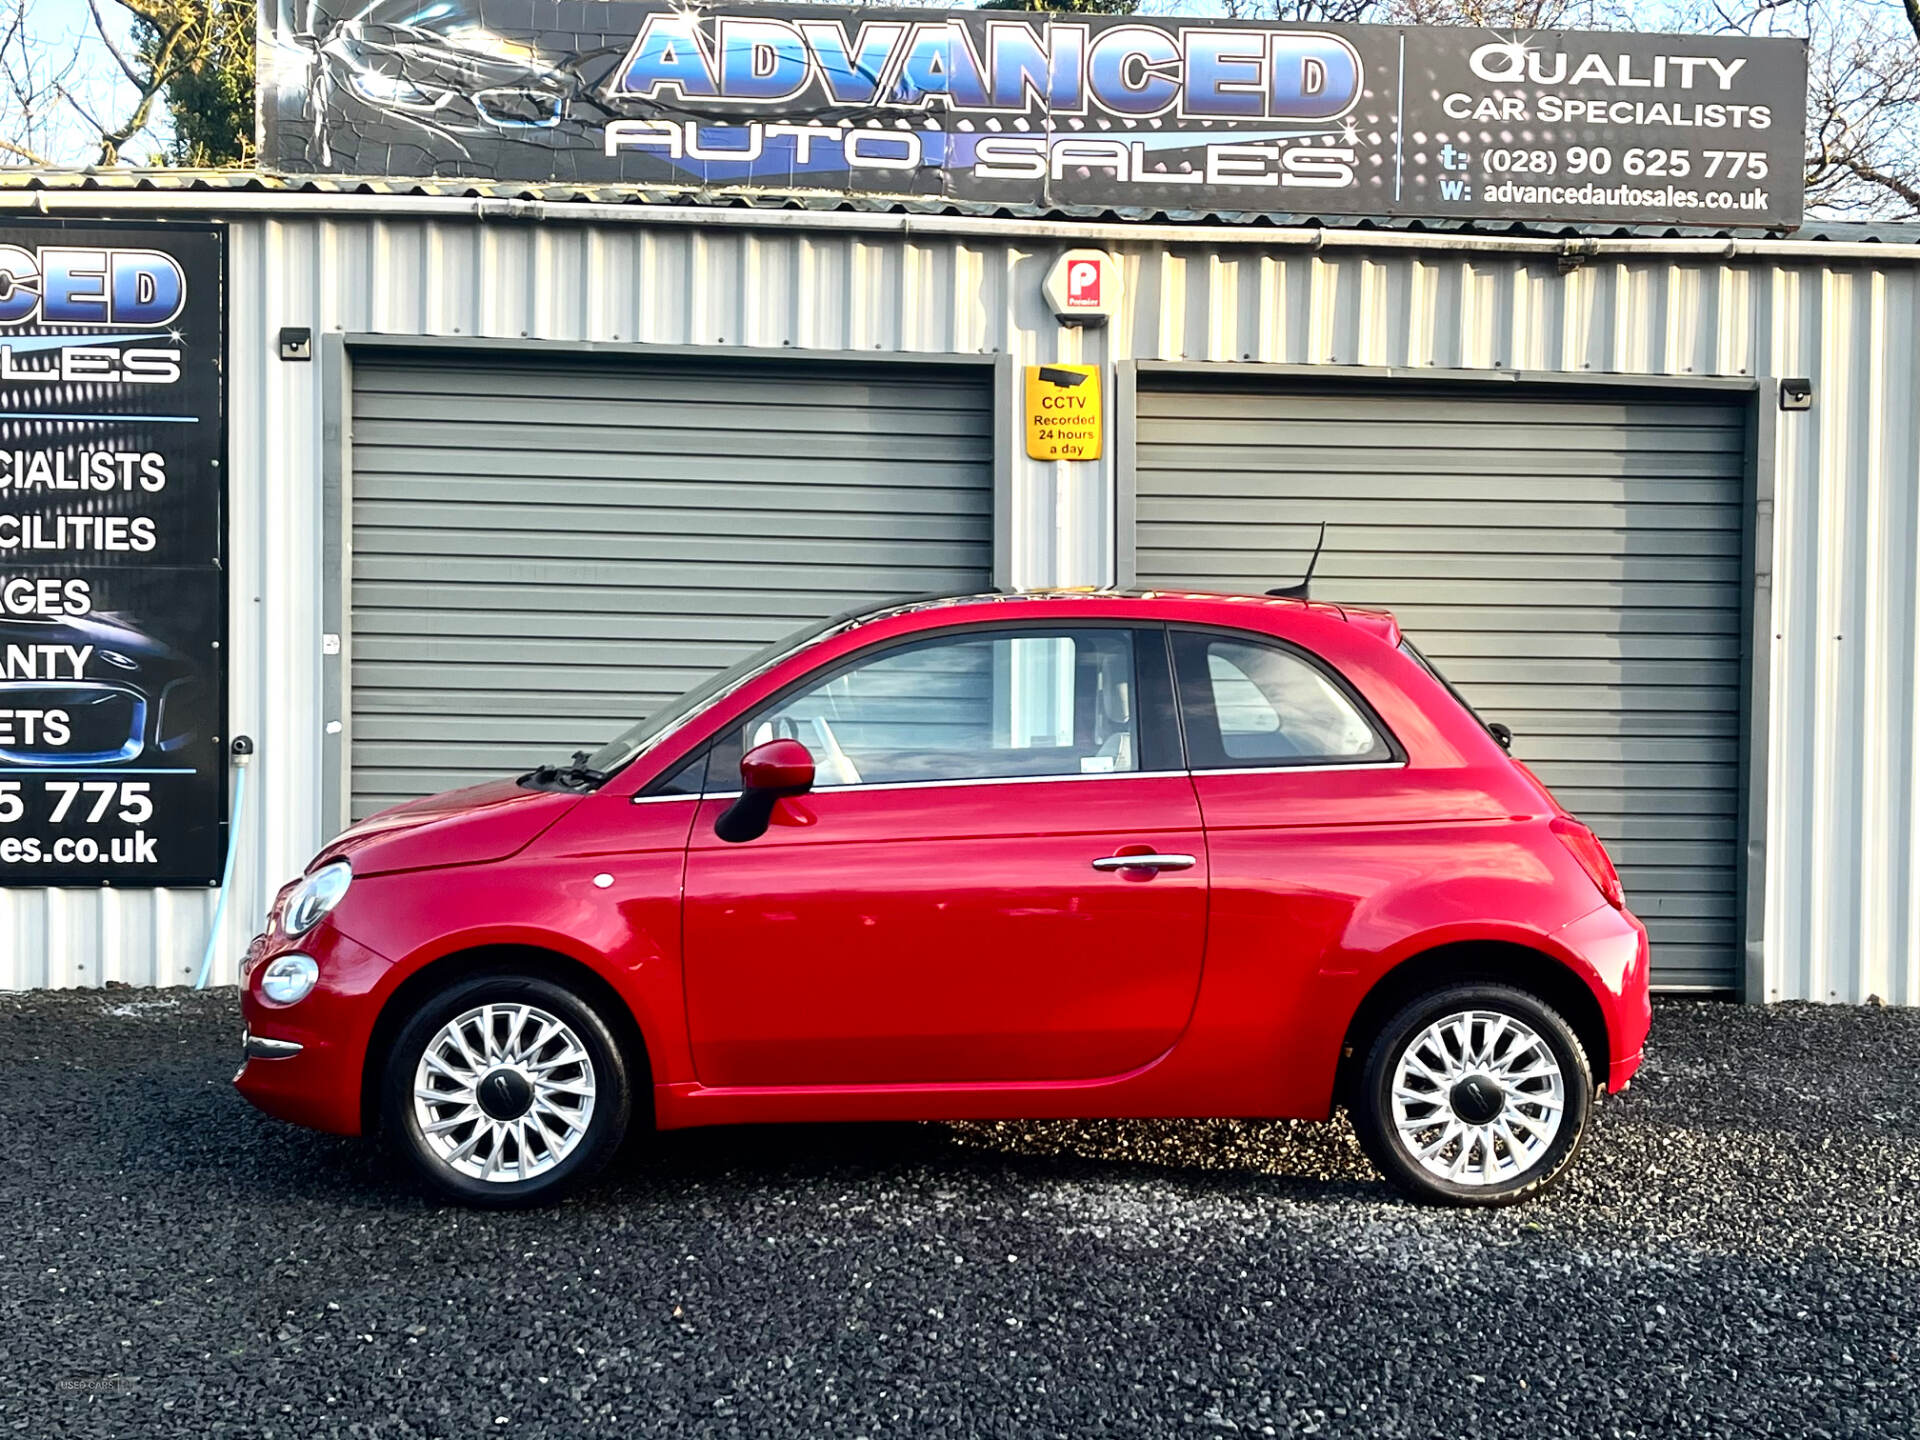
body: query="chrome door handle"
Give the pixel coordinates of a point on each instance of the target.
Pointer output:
(1144, 862)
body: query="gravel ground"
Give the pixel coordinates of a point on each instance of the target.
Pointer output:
(1736, 1253)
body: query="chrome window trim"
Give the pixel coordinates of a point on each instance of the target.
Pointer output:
(936, 784)
(1305, 769)
(995, 780)
(1044, 779)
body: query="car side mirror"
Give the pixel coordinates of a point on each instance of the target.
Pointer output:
(768, 774)
(1502, 734)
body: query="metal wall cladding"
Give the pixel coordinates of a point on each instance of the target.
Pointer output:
(546, 548)
(1571, 561)
(1842, 788)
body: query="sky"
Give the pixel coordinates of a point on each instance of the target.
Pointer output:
(64, 26)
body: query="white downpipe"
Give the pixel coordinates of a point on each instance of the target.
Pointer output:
(240, 759)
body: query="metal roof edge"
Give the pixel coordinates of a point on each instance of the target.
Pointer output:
(232, 194)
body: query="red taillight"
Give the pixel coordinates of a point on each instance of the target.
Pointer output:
(1592, 855)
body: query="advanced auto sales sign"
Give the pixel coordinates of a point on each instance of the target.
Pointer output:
(986, 108)
(113, 595)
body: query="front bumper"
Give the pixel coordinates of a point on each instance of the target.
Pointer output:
(304, 1062)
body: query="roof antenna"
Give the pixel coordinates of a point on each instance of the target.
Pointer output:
(1299, 592)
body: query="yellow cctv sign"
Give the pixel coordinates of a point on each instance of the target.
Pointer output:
(1064, 418)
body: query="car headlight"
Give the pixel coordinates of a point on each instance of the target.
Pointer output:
(288, 978)
(314, 896)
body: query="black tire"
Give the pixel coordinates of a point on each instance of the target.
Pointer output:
(606, 1124)
(1373, 1114)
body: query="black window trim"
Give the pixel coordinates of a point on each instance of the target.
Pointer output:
(711, 745)
(1396, 752)
(656, 788)
(1157, 702)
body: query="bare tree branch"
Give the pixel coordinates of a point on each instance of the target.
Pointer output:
(170, 58)
(32, 70)
(79, 108)
(106, 38)
(25, 154)
(1905, 189)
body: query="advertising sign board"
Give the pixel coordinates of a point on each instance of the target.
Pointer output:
(113, 593)
(990, 109)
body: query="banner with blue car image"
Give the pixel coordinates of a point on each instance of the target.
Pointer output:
(977, 110)
(113, 588)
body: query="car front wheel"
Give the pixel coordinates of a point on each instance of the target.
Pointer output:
(505, 1090)
(1475, 1094)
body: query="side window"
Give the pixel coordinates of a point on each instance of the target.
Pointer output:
(973, 705)
(1248, 703)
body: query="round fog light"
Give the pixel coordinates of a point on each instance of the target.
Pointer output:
(288, 978)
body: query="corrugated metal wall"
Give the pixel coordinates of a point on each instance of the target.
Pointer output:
(1570, 560)
(1843, 782)
(547, 548)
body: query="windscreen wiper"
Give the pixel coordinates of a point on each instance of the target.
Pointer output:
(577, 776)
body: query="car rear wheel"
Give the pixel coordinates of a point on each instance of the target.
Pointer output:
(1475, 1094)
(504, 1091)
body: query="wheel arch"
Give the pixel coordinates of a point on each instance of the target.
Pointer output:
(1503, 962)
(460, 965)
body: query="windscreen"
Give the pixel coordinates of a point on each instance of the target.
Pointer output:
(671, 716)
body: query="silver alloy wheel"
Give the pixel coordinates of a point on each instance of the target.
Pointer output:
(1478, 1098)
(504, 1092)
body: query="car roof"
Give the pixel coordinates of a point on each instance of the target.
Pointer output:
(1378, 622)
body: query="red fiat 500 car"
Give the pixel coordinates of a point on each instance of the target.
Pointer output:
(1004, 856)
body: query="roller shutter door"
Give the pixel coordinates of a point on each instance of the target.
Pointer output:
(544, 551)
(1572, 561)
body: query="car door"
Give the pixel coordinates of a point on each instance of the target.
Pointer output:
(954, 902)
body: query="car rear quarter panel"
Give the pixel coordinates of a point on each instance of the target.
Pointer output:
(1327, 878)
(1306, 919)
